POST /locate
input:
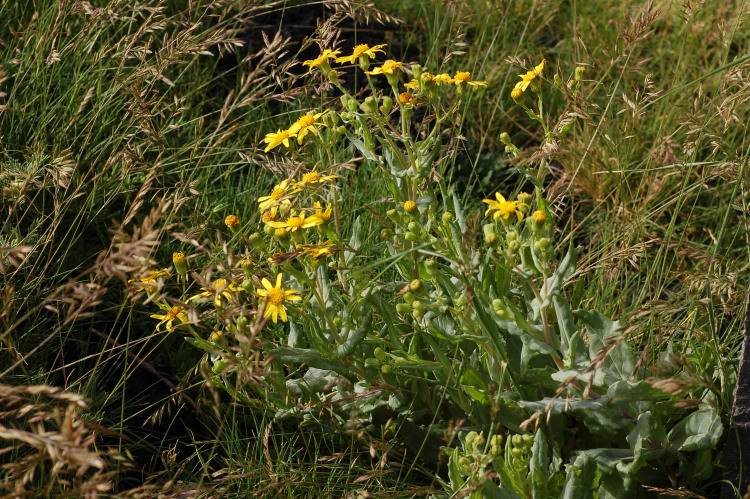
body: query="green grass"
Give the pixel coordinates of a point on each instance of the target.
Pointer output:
(125, 130)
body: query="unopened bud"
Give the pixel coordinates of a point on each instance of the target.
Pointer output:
(247, 267)
(180, 264)
(387, 105)
(380, 353)
(505, 138)
(580, 73)
(257, 242)
(403, 308)
(447, 217)
(415, 285)
(431, 267)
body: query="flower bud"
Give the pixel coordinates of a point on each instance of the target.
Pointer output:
(538, 219)
(417, 314)
(247, 267)
(447, 217)
(418, 305)
(580, 73)
(408, 297)
(298, 236)
(490, 237)
(257, 242)
(416, 71)
(415, 285)
(333, 76)
(372, 362)
(387, 105)
(410, 236)
(351, 106)
(219, 366)
(216, 336)
(247, 286)
(380, 353)
(385, 369)
(542, 244)
(341, 130)
(269, 230)
(180, 264)
(511, 236)
(232, 222)
(413, 227)
(410, 206)
(514, 246)
(370, 105)
(393, 215)
(524, 198)
(517, 440)
(403, 308)
(558, 80)
(386, 233)
(505, 138)
(517, 95)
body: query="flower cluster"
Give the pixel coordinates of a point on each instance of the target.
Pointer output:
(526, 79)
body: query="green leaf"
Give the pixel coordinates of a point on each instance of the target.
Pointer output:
(602, 332)
(355, 338)
(539, 466)
(700, 430)
(581, 479)
(572, 348)
(366, 153)
(307, 356)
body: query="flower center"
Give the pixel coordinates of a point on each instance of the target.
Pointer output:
(173, 313)
(295, 222)
(275, 296)
(277, 193)
(360, 49)
(462, 76)
(306, 121)
(529, 76)
(268, 216)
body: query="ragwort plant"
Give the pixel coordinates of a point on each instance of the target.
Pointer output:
(460, 336)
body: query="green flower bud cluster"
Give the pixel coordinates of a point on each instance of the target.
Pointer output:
(521, 452)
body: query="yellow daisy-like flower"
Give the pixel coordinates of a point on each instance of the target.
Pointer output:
(465, 77)
(322, 59)
(298, 222)
(275, 297)
(306, 124)
(312, 178)
(151, 278)
(278, 195)
(387, 68)
(359, 51)
(442, 78)
(516, 93)
(219, 290)
(173, 314)
(278, 138)
(530, 76)
(324, 215)
(317, 251)
(502, 207)
(412, 85)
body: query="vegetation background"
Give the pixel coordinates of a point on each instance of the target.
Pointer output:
(128, 125)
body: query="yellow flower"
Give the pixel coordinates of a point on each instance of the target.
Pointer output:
(412, 85)
(278, 195)
(231, 221)
(151, 278)
(322, 59)
(299, 222)
(317, 251)
(516, 93)
(278, 138)
(312, 178)
(427, 78)
(359, 51)
(321, 214)
(270, 215)
(465, 77)
(387, 68)
(502, 207)
(405, 98)
(527, 78)
(539, 217)
(409, 206)
(306, 124)
(275, 297)
(173, 314)
(442, 78)
(219, 289)
(216, 336)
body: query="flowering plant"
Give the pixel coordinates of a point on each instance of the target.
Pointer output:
(454, 326)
